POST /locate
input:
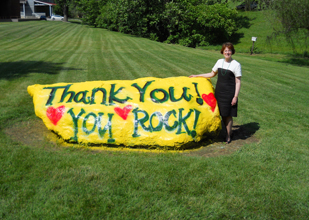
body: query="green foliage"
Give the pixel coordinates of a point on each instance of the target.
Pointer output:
(64, 5)
(289, 17)
(217, 21)
(292, 14)
(256, 50)
(187, 22)
(259, 25)
(89, 10)
(57, 9)
(72, 11)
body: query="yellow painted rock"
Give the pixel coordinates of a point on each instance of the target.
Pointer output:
(150, 111)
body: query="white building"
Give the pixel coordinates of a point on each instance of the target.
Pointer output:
(35, 8)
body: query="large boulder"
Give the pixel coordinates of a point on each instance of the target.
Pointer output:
(169, 112)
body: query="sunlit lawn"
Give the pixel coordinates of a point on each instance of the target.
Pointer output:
(267, 179)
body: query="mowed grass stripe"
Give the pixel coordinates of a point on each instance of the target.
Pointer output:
(14, 32)
(151, 64)
(150, 58)
(41, 55)
(41, 37)
(284, 81)
(270, 103)
(18, 47)
(64, 56)
(144, 55)
(279, 71)
(42, 40)
(102, 64)
(19, 102)
(69, 73)
(202, 57)
(160, 57)
(122, 70)
(34, 47)
(73, 33)
(73, 69)
(87, 56)
(60, 39)
(110, 68)
(169, 68)
(52, 40)
(135, 59)
(183, 59)
(26, 38)
(100, 61)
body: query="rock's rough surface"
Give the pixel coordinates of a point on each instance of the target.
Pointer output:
(147, 111)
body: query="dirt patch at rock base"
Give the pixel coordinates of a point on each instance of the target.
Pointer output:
(34, 133)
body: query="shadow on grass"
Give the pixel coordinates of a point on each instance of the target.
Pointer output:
(14, 70)
(242, 22)
(77, 22)
(240, 132)
(245, 131)
(235, 38)
(297, 61)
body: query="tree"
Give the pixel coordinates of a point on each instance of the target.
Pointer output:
(248, 5)
(90, 10)
(64, 4)
(187, 22)
(292, 14)
(290, 17)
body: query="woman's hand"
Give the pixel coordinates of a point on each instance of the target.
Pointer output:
(234, 101)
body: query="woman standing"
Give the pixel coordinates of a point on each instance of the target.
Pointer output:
(228, 86)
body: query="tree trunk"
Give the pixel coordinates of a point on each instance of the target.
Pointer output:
(65, 12)
(248, 5)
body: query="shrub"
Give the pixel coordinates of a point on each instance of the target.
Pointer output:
(187, 22)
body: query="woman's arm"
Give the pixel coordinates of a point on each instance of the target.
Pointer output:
(205, 75)
(237, 89)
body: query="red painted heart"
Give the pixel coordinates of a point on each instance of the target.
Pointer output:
(55, 114)
(210, 100)
(123, 113)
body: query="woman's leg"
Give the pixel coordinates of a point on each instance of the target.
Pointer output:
(228, 122)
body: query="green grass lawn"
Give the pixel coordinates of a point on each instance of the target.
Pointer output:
(268, 179)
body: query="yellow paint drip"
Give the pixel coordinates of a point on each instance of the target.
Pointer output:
(171, 112)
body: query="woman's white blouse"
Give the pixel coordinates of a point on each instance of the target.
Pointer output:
(234, 66)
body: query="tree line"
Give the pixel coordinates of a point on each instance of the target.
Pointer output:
(187, 22)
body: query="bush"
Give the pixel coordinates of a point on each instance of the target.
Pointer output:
(89, 10)
(187, 22)
(256, 50)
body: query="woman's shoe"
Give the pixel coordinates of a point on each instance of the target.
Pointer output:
(229, 140)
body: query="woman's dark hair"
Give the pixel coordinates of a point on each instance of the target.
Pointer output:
(228, 45)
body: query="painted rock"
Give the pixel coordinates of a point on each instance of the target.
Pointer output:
(150, 111)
